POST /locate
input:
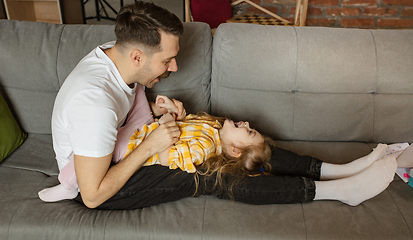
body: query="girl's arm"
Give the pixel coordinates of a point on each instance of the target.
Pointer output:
(164, 157)
(165, 105)
(166, 118)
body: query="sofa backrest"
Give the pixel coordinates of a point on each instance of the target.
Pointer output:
(315, 84)
(35, 59)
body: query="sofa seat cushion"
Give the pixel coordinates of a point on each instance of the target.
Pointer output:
(16, 186)
(25, 216)
(35, 154)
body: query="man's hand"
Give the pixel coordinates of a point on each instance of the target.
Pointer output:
(163, 137)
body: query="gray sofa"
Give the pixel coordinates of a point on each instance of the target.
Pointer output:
(325, 92)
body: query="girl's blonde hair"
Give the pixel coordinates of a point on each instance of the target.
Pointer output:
(253, 161)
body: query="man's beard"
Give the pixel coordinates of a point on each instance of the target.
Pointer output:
(159, 78)
(164, 75)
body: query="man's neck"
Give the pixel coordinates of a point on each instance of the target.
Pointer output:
(116, 57)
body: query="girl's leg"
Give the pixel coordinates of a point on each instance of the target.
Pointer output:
(361, 186)
(139, 115)
(67, 189)
(337, 171)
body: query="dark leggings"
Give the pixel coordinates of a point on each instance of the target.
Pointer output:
(291, 181)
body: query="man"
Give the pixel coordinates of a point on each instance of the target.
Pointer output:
(96, 97)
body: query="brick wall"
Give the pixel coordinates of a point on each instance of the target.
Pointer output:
(396, 14)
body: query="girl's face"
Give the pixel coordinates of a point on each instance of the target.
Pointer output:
(239, 134)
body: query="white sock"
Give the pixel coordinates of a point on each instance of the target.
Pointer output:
(57, 193)
(337, 171)
(360, 187)
(403, 154)
(396, 149)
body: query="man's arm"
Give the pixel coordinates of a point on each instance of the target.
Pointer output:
(97, 182)
(164, 155)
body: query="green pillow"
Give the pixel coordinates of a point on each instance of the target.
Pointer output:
(11, 136)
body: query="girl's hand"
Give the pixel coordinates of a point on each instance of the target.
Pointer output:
(174, 107)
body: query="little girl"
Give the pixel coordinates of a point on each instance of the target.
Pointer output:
(202, 137)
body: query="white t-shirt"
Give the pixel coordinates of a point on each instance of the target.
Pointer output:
(91, 104)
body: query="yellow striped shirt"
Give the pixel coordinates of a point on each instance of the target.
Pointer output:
(199, 140)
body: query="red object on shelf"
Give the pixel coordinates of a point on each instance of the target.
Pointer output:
(213, 12)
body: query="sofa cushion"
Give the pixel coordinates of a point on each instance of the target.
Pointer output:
(11, 136)
(28, 71)
(315, 84)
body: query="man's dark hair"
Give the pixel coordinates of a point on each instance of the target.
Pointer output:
(142, 22)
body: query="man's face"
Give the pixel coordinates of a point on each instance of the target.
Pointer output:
(162, 63)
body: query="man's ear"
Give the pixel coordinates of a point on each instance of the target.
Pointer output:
(137, 57)
(235, 151)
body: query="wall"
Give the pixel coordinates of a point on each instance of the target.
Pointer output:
(341, 13)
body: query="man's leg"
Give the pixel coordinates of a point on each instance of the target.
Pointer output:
(292, 181)
(263, 189)
(284, 162)
(150, 186)
(156, 184)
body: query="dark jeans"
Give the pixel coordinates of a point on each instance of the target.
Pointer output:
(292, 181)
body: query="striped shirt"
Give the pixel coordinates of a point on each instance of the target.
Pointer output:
(199, 140)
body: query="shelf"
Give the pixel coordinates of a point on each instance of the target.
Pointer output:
(34, 10)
